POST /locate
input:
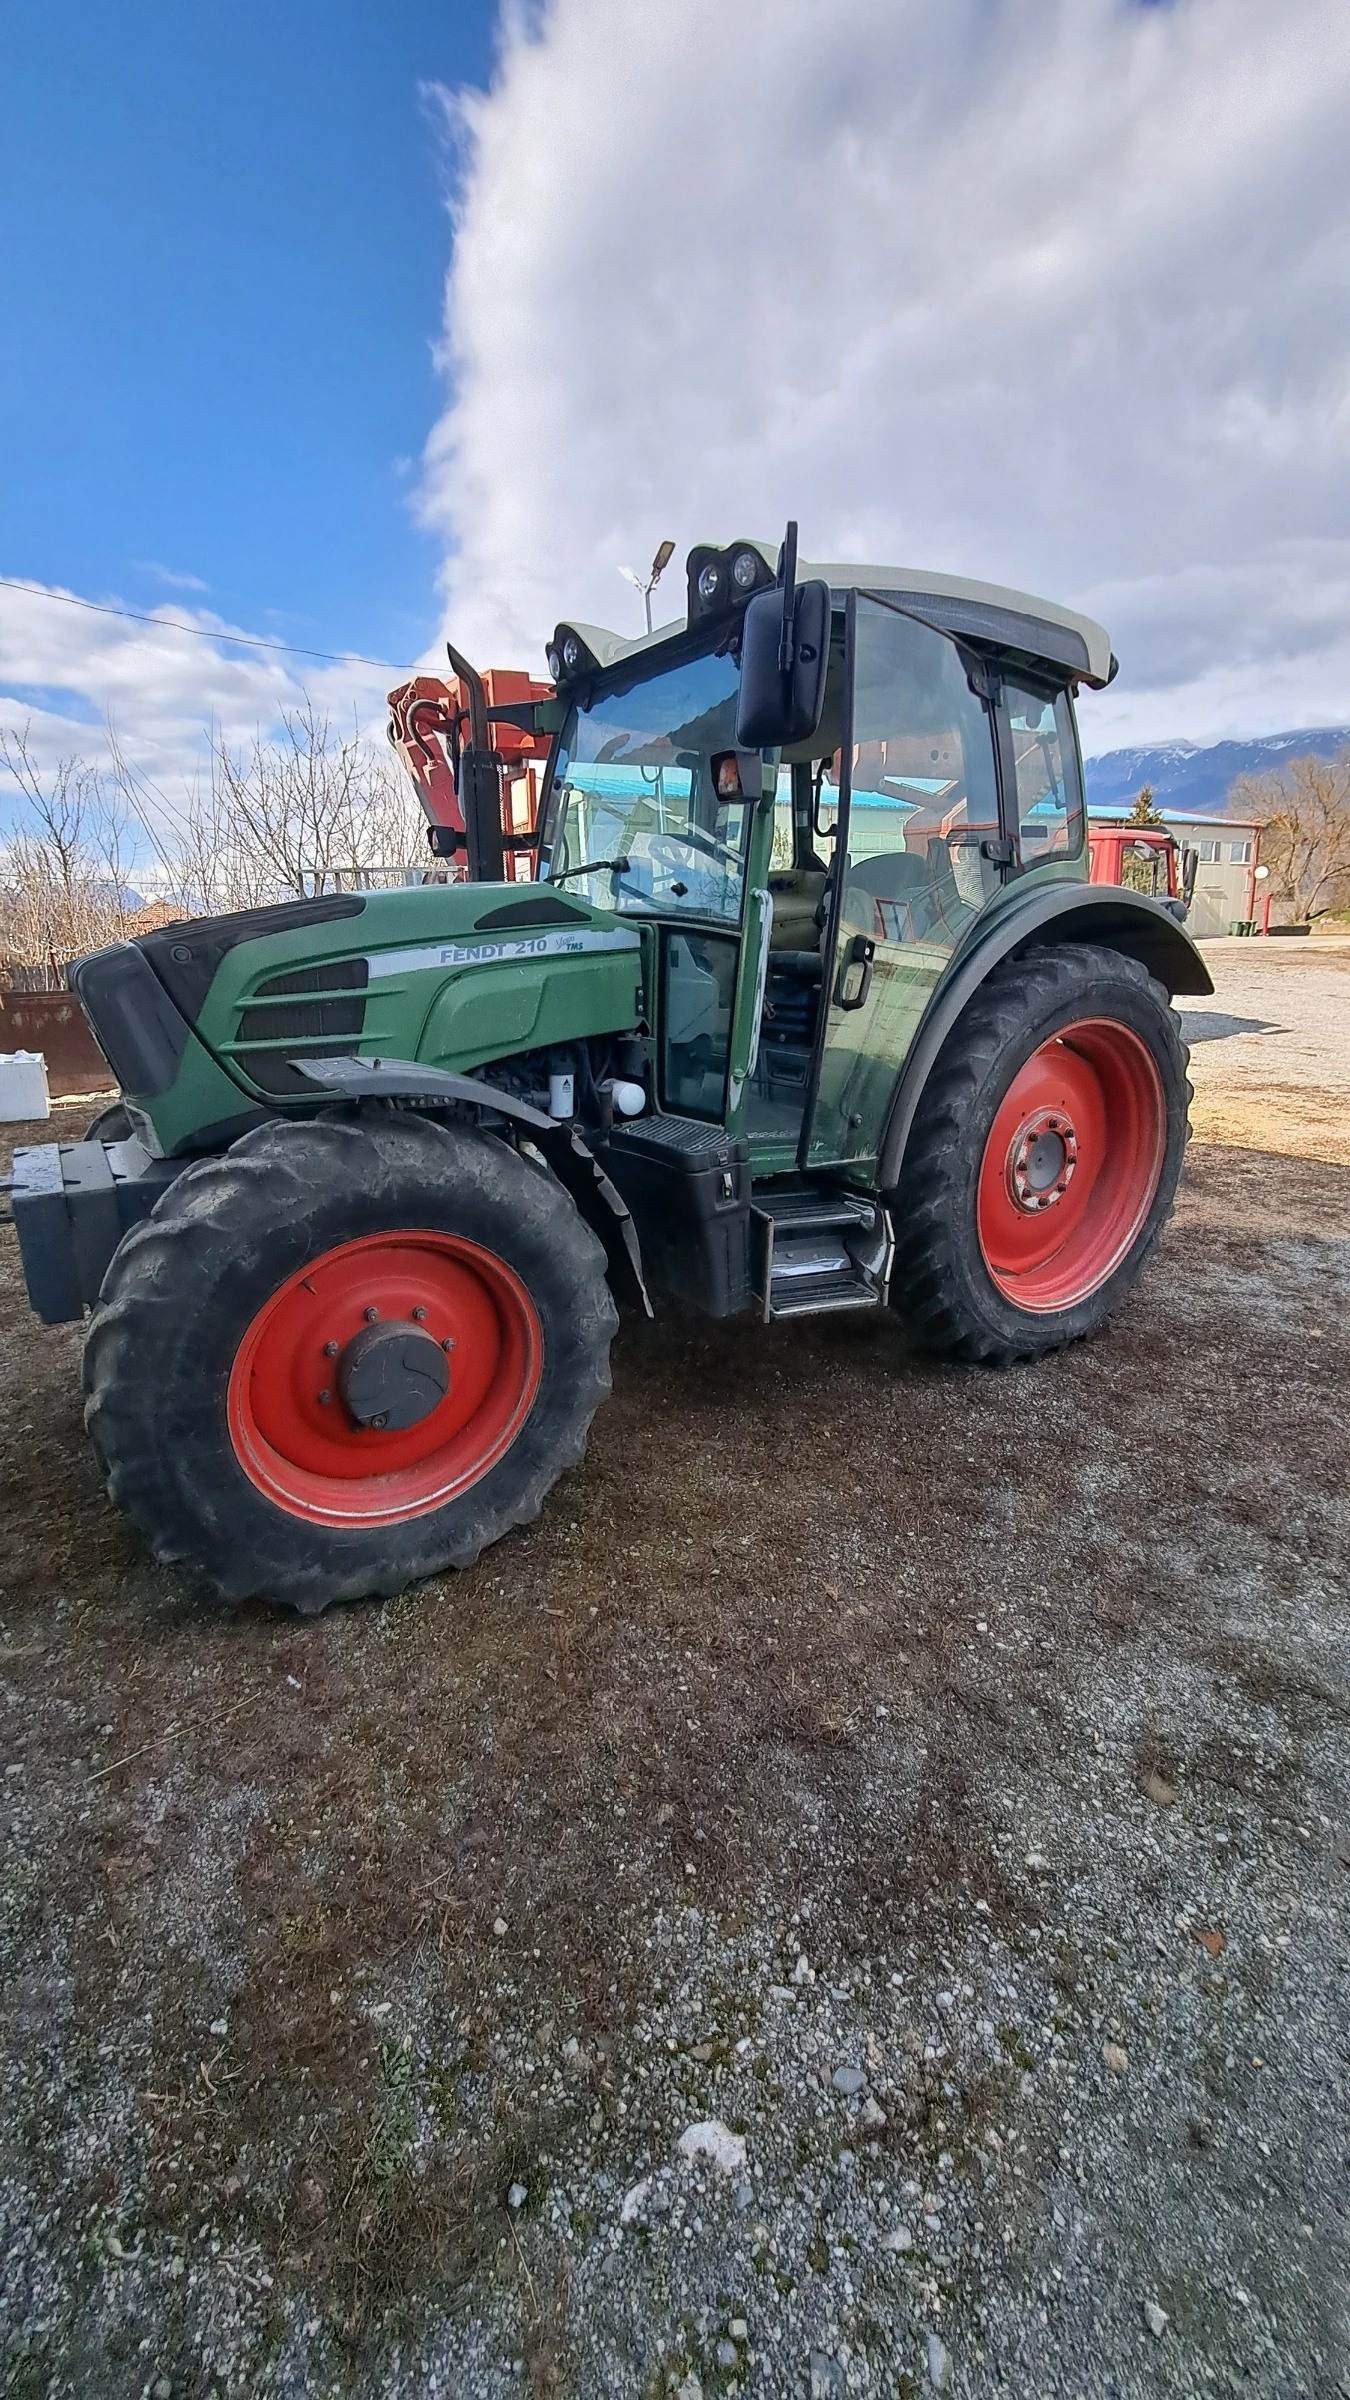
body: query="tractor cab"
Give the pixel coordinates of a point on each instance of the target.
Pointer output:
(800, 901)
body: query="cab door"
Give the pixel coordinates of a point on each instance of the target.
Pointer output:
(920, 849)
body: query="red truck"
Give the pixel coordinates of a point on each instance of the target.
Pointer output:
(1144, 858)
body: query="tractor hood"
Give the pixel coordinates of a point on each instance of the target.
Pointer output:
(453, 975)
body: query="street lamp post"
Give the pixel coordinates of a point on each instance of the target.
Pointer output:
(659, 565)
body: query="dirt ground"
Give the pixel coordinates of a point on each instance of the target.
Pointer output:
(924, 1790)
(1270, 1052)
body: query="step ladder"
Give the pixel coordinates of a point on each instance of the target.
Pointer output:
(815, 1252)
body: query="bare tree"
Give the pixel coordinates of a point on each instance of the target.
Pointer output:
(311, 811)
(1303, 811)
(63, 874)
(161, 822)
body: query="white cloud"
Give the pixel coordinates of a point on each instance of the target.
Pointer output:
(67, 673)
(171, 575)
(1050, 291)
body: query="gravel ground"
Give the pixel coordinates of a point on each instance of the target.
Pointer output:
(1270, 1052)
(852, 1902)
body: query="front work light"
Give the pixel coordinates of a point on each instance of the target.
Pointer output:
(719, 580)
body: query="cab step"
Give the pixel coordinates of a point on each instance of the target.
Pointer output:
(802, 1210)
(822, 1295)
(817, 1252)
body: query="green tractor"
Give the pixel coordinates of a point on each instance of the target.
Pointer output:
(809, 1007)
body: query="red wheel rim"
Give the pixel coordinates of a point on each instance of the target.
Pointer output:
(309, 1456)
(1071, 1166)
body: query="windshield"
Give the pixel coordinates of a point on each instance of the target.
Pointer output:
(634, 780)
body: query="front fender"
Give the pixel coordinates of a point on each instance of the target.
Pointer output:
(1056, 912)
(562, 1147)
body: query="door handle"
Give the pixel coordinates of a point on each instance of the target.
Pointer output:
(998, 849)
(859, 954)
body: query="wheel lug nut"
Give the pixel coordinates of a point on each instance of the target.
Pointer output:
(330, 1349)
(418, 1314)
(325, 1399)
(378, 1424)
(447, 1345)
(372, 1316)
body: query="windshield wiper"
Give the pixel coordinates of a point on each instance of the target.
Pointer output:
(593, 866)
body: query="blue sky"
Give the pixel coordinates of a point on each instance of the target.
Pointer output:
(223, 243)
(1054, 293)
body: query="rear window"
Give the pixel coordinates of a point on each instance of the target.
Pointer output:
(1049, 780)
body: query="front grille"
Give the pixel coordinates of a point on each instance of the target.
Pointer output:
(305, 1022)
(324, 1027)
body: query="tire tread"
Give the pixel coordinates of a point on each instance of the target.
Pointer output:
(929, 1282)
(263, 1188)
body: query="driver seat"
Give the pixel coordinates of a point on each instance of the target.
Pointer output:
(797, 893)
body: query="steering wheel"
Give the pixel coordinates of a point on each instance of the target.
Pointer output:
(702, 844)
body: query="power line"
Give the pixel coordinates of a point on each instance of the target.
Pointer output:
(202, 633)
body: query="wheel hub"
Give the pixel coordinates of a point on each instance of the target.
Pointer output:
(1041, 1161)
(1071, 1165)
(392, 1375)
(384, 1377)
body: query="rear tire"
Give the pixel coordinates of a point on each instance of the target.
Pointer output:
(1044, 1158)
(258, 1286)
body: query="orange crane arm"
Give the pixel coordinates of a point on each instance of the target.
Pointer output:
(429, 723)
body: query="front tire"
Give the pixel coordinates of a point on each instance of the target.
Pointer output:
(1044, 1158)
(347, 1354)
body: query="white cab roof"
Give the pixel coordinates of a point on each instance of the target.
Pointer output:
(988, 611)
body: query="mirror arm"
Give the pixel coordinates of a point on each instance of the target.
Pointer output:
(473, 685)
(787, 568)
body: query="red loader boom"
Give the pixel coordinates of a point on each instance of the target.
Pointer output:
(439, 726)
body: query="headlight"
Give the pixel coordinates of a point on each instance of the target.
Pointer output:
(554, 663)
(709, 582)
(571, 653)
(744, 569)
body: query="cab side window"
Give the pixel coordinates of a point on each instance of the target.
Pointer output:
(1049, 781)
(924, 794)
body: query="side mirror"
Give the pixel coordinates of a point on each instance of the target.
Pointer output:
(781, 703)
(785, 650)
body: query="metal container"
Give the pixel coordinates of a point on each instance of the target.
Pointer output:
(55, 1024)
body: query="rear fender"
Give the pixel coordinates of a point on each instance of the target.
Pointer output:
(1057, 912)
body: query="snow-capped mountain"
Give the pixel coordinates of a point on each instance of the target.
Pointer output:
(1186, 776)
